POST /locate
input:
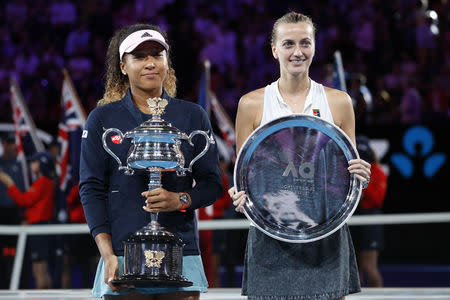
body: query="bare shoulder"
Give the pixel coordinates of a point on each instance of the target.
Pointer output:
(249, 115)
(340, 105)
(251, 107)
(337, 97)
(253, 99)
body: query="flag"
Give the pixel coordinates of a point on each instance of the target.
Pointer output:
(223, 121)
(223, 149)
(208, 100)
(339, 74)
(27, 140)
(203, 92)
(70, 129)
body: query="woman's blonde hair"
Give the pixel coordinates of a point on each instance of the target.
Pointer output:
(290, 18)
(117, 83)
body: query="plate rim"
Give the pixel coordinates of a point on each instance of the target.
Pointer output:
(280, 120)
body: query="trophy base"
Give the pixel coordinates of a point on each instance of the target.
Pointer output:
(152, 281)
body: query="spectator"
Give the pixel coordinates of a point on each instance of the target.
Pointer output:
(38, 203)
(9, 211)
(411, 103)
(16, 11)
(63, 12)
(219, 209)
(78, 40)
(82, 249)
(27, 62)
(369, 239)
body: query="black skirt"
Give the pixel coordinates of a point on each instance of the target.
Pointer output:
(323, 269)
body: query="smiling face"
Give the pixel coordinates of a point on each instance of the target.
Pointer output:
(294, 47)
(146, 68)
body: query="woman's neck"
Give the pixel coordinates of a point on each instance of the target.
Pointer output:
(291, 85)
(140, 97)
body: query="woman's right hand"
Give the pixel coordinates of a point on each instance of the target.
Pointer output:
(110, 261)
(238, 199)
(111, 268)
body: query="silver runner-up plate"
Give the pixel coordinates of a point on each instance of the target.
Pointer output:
(294, 173)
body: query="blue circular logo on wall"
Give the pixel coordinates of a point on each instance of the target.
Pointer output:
(418, 141)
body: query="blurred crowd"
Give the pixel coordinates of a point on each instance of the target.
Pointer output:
(396, 53)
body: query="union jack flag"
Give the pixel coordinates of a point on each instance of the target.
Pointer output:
(27, 140)
(70, 128)
(224, 122)
(208, 100)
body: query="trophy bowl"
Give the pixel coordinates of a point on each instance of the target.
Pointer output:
(294, 173)
(153, 256)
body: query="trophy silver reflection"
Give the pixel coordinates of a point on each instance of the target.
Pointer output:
(153, 256)
(294, 173)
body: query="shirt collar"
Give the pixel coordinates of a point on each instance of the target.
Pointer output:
(128, 101)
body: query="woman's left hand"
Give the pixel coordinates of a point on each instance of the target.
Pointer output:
(161, 200)
(361, 169)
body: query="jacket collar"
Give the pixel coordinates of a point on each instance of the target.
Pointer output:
(135, 112)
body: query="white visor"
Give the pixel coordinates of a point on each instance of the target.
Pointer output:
(138, 37)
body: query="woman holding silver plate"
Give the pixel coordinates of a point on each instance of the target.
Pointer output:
(116, 205)
(274, 269)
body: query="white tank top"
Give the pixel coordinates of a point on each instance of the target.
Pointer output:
(316, 103)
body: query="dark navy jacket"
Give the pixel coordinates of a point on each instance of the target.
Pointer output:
(112, 201)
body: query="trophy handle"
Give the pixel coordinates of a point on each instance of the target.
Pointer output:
(209, 141)
(128, 171)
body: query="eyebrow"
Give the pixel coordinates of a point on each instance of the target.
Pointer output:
(291, 40)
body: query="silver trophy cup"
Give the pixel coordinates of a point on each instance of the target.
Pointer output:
(153, 255)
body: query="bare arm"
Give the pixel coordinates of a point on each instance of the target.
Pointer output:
(6, 179)
(247, 120)
(111, 264)
(248, 116)
(342, 110)
(344, 117)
